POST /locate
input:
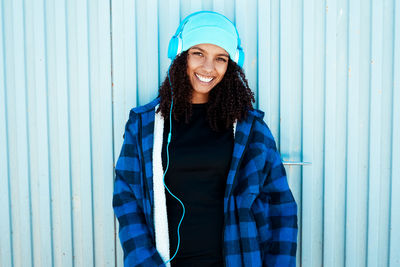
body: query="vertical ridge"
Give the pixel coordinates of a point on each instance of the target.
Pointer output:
(7, 154)
(69, 134)
(48, 133)
(113, 124)
(369, 134)
(90, 109)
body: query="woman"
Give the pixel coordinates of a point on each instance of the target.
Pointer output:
(199, 181)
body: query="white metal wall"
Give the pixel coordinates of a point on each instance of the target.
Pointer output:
(327, 74)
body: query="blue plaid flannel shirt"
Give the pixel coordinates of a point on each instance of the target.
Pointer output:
(260, 223)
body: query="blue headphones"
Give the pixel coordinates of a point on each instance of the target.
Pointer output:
(207, 27)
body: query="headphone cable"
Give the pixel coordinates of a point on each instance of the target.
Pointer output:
(166, 169)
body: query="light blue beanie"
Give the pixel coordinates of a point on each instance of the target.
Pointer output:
(207, 27)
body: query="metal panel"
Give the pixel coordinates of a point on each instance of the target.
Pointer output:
(5, 212)
(59, 144)
(379, 163)
(17, 137)
(290, 61)
(101, 132)
(394, 238)
(146, 50)
(394, 229)
(35, 72)
(312, 217)
(59, 134)
(56, 117)
(357, 137)
(246, 23)
(327, 74)
(334, 142)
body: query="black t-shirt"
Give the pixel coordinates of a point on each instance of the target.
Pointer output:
(199, 164)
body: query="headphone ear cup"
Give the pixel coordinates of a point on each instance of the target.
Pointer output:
(239, 56)
(173, 47)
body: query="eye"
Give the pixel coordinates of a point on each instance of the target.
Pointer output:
(221, 59)
(197, 54)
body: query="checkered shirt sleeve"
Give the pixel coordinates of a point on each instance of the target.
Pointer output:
(134, 234)
(275, 210)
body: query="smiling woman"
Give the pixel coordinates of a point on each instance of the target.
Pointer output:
(199, 181)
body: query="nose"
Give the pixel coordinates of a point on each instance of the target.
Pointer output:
(208, 64)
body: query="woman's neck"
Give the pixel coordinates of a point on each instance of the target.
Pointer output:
(199, 98)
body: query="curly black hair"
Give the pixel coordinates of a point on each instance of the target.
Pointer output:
(228, 101)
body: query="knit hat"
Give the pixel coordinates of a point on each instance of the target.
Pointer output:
(207, 27)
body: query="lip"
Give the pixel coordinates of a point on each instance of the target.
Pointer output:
(198, 79)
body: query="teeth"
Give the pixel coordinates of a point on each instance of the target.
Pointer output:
(204, 79)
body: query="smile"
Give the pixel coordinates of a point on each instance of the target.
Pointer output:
(204, 79)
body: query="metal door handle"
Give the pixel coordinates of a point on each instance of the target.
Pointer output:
(301, 163)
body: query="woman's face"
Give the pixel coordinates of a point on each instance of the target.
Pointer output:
(206, 66)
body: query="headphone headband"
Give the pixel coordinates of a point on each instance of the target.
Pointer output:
(207, 27)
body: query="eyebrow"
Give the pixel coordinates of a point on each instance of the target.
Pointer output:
(202, 50)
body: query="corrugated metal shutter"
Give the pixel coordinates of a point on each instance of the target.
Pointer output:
(56, 126)
(327, 74)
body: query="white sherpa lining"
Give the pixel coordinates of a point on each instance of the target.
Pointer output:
(160, 206)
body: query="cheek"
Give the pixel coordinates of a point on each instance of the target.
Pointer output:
(190, 69)
(222, 71)
(193, 63)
